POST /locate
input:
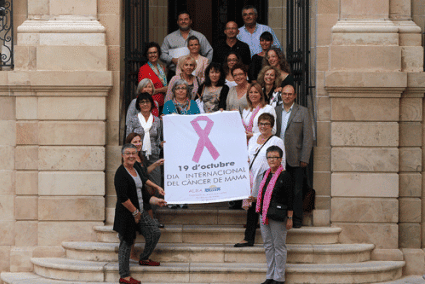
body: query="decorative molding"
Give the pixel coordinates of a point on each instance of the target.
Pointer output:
(63, 24)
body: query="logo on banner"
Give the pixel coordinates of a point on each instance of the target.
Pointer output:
(204, 141)
(212, 188)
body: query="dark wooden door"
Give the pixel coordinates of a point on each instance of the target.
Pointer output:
(210, 17)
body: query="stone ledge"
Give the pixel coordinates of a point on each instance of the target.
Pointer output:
(365, 84)
(63, 24)
(95, 83)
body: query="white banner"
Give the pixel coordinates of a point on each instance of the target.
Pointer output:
(206, 158)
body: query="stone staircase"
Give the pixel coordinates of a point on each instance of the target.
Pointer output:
(196, 246)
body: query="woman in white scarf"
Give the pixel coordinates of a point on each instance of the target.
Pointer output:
(149, 128)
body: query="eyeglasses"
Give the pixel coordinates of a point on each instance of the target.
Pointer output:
(130, 153)
(238, 74)
(274, 158)
(264, 124)
(180, 88)
(144, 102)
(287, 94)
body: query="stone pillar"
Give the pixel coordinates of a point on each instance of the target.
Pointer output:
(326, 17)
(59, 89)
(7, 177)
(365, 83)
(411, 129)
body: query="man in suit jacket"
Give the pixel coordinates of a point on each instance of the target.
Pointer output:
(294, 126)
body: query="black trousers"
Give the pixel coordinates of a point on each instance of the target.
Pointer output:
(251, 224)
(297, 175)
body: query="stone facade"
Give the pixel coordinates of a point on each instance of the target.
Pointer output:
(60, 112)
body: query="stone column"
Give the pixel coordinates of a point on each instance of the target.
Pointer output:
(411, 129)
(7, 177)
(60, 84)
(365, 84)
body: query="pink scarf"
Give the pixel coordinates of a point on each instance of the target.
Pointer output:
(251, 120)
(268, 195)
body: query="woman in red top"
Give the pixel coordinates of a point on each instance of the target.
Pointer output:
(154, 71)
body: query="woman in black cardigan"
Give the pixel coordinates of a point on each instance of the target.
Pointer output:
(276, 186)
(129, 214)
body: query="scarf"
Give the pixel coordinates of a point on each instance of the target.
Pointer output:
(159, 72)
(147, 147)
(267, 195)
(181, 108)
(248, 127)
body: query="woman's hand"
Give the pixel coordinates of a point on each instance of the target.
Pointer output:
(278, 89)
(289, 224)
(161, 191)
(249, 134)
(138, 217)
(160, 162)
(162, 145)
(252, 199)
(157, 201)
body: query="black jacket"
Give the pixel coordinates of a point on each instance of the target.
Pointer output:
(125, 188)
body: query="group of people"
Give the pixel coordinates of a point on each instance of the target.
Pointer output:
(246, 72)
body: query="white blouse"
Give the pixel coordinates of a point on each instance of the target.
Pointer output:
(246, 116)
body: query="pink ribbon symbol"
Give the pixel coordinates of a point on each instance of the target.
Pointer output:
(204, 141)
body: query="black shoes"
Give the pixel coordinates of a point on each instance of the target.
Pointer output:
(271, 281)
(241, 245)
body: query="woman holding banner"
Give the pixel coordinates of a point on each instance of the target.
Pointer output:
(130, 215)
(257, 146)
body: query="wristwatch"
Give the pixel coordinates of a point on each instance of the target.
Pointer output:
(135, 213)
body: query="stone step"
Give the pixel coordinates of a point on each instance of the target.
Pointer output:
(297, 253)
(196, 215)
(89, 271)
(407, 280)
(225, 234)
(31, 278)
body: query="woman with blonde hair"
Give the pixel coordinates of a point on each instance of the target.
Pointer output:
(270, 81)
(201, 61)
(256, 106)
(187, 65)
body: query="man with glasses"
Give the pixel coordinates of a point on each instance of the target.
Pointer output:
(295, 128)
(231, 43)
(251, 31)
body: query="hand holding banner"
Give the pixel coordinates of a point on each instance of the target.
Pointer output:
(206, 158)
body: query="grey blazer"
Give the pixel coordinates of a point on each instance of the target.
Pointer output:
(298, 136)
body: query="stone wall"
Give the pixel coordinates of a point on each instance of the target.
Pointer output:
(375, 84)
(53, 113)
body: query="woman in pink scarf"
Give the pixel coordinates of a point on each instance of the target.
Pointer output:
(276, 186)
(257, 146)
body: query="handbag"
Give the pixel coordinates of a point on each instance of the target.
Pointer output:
(277, 211)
